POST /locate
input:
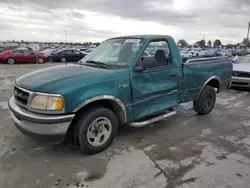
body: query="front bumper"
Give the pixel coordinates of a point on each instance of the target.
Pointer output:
(51, 128)
(240, 82)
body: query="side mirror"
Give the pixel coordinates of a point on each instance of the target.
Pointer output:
(148, 63)
(139, 69)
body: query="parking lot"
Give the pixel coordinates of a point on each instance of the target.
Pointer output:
(183, 151)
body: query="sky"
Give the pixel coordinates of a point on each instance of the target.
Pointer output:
(97, 20)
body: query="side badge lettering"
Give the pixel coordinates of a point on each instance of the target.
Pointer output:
(123, 85)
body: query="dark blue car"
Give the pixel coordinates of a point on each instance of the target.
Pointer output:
(234, 53)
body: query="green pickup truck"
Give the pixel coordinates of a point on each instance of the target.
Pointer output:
(126, 81)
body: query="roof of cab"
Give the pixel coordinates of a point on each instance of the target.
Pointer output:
(142, 37)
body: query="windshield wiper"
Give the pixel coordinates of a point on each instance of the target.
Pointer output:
(98, 63)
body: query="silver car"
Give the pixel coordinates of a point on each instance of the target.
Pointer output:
(241, 72)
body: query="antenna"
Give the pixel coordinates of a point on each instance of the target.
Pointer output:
(65, 32)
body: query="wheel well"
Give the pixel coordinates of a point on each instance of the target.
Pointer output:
(110, 104)
(214, 83)
(6, 60)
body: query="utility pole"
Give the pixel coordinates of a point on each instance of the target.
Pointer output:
(248, 33)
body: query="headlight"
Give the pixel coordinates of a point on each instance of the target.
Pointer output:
(47, 102)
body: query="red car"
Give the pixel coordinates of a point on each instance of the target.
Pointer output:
(22, 56)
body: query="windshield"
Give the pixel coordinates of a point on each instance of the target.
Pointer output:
(116, 52)
(47, 51)
(243, 59)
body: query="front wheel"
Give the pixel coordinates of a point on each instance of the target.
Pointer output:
(206, 101)
(40, 60)
(63, 59)
(96, 129)
(11, 61)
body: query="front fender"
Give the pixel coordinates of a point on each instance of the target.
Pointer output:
(112, 89)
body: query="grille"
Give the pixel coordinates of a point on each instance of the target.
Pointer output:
(239, 83)
(241, 74)
(21, 96)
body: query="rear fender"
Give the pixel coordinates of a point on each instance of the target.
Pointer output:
(213, 81)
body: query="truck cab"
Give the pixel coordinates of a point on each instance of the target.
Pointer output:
(115, 85)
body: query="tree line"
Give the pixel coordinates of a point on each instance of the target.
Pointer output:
(202, 43)
(53, 43)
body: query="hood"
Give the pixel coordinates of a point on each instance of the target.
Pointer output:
(244, 67)
(59, 77)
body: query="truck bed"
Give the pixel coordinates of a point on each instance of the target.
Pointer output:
(198, 72)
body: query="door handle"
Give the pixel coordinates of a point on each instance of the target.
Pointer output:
(172, 76)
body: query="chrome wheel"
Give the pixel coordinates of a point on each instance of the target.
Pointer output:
(11, 61)
(99, 131)
(40, 60)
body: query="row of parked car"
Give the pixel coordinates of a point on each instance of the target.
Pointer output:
(23, 55)
(198, 52)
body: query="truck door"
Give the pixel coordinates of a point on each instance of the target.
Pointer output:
(156, 89)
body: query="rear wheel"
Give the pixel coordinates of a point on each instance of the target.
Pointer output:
(63, 60)
(206, 101)
(11, 61)
(96, 129)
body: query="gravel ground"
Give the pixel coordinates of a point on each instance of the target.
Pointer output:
(183, 151)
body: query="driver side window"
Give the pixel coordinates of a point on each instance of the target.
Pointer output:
(160, 51)
(18, 51)
(26, 52)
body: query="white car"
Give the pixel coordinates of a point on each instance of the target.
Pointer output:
(241, 72)
(186, 54)
(209, 53)
(198, 52)
(87, 51)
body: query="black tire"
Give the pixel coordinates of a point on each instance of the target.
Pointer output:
(49, 58)
(83, 126)
(11, 61)
(63, 60)
(206, 101)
